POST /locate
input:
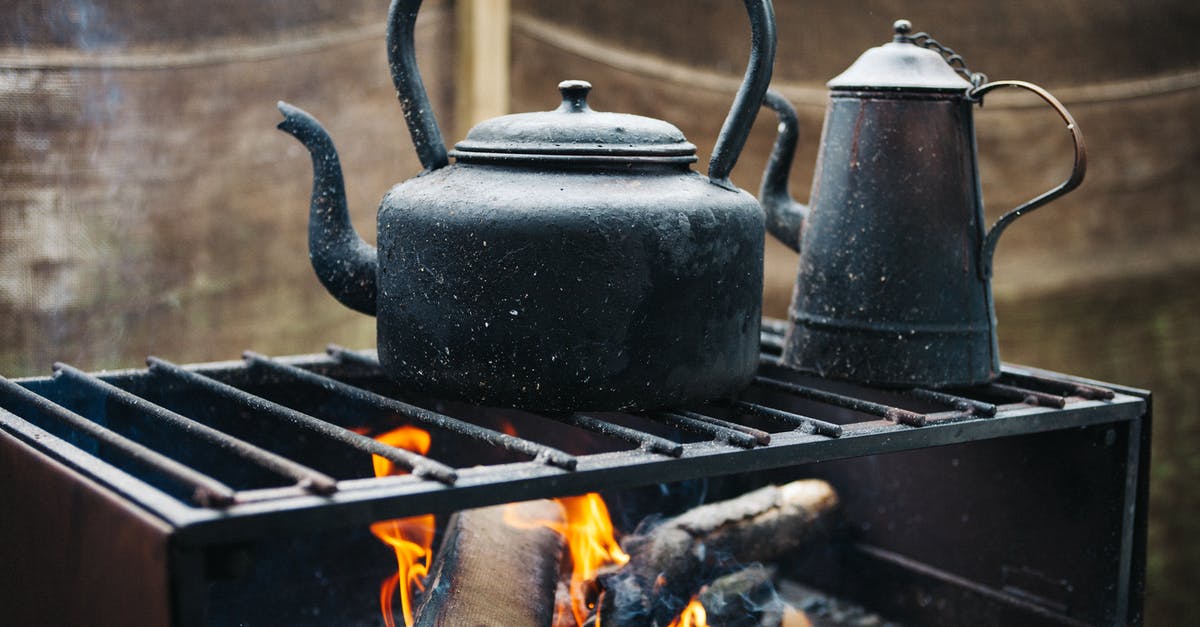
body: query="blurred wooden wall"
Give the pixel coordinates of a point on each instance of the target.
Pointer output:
(147, 205)
(147, 202)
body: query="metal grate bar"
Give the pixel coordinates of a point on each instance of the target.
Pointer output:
(1029, 397)
(770, 361)
(703, 427)
(648, 442)
(305, 477)
(539, 452)
(206, 491)
(346, 355)
(718, 450)
(1066, 388)
(419, 464)
(950, 416)
(819, 427)
(903, 416)
(774, 326)
(772, 342)
(969, 405)
(763, 437)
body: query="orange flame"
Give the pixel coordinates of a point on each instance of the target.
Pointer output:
(411, 538)
(588, 531)
(692, 616)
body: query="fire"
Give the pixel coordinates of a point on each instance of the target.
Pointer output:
(588, 531)
(411, 538)
(589, 534)
(692, 616)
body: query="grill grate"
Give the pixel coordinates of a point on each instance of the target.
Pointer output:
(276, 428)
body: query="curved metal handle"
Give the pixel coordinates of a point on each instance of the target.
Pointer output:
(988, 249)
(785, 216)
(749, 98)
(427, 137)
(410, 89)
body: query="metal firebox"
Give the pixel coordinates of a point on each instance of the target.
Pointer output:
(239, 492)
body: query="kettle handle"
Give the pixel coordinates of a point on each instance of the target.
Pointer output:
(749, 98)
(785, 216)
(988, 249)
(410, 89)
(427, 137)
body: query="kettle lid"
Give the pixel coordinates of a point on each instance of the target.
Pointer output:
(900, 65)
(575, 133)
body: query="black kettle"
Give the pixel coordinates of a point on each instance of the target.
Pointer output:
(893, 286)
(568, 259)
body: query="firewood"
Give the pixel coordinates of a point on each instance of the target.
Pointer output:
(563, 616)
(494, 572)
(745, 598)
(670, 562)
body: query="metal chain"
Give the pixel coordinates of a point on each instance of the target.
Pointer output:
(952, 58)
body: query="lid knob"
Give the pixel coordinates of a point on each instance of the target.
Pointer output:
(574, 95)
(902, 28)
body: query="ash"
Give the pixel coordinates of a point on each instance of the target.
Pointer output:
(823, 610)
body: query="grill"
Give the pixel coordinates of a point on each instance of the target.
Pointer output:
(238, 490)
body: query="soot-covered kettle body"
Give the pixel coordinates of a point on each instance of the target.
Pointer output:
(568, 259)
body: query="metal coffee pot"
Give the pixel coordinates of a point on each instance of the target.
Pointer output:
(568, 259)
(893, 286)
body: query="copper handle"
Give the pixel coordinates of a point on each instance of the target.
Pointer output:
(988, 249)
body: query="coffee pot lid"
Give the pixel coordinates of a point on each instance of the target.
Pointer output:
(574, 132)
(902, 64)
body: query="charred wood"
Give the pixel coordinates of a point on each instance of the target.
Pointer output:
(746, 598)
(671, 561)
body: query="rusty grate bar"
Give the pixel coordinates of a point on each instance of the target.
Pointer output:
(774, 326)
(772, 342)
(1065, 388)
(539, 452)
(968, 405)
(722, 447)
(1029, 397)
(206, 491)
(761, 436)
(419, 464)
(305, 477)
(819, 427)
(896, 414)
(646, 441)
(704, 427)
(769, 360)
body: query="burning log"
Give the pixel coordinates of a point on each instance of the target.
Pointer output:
(746, 598)
(669, 563)
(497, 566)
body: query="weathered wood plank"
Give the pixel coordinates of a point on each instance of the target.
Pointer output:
(497, 567)
(482, 80)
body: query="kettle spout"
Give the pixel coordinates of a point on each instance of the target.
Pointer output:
(345, 264)
(785, 216)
